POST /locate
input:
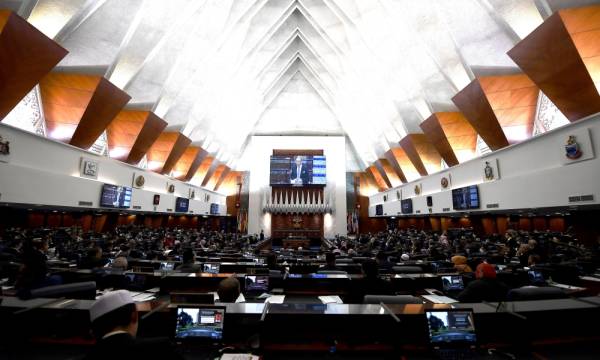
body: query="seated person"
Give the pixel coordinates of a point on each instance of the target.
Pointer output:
(114, 320)
(120, 263)
(33, 274)
(485, 288)
(384, 264)
(460, 264)
(272, 264)
(329, 262)
(93, 259)
(189, 262)
(229, 290)
(370, 284)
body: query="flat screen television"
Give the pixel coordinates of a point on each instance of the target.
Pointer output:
(182, 204)
(298, 170)
(465, 198)
(114, 196)
(378, 210)
(214, 209)
(407, 206)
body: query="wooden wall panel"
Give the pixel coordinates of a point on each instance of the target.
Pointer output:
(433, 130)
(367, 224)
(181, 143)
(461, 136)
(107, 102)
(550, 57)
(376, 177)
(391, 158)
(514, 100)
(150, 132)
(476, 108)
(161, 149)
(26, 56)
(392, 176)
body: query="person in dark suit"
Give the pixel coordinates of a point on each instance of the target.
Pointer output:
(485, 288)
(370, 284)
(189, 262)
(299, 174)
(115, 324)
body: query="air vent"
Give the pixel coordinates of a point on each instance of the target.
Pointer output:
(137, 207)
(85, 203)
(581, 198)
(492, 206)
(446, 209)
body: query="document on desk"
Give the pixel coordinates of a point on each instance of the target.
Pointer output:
(437, 299)
(239, 357)
(276, 299)
(331, 299)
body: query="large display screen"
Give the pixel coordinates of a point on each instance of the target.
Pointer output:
(115, 196)
(299, 170)
(465, 198)
(407, 206)
(379, 210)
(214, 209)
(182, 204)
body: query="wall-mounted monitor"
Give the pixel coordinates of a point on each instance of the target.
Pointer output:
(214, 209)
(407, 206)
(465, 198)
(182, 204)
(298, 170)
(114, 196)
(378, 210)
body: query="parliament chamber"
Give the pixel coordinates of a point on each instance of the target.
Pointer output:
(291, 179)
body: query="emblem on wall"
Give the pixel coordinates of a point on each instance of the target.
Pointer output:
(140, 181)
(444, 182)
(192, 194)
(4, 146)
(89, 168)
(572, 149)
(296, 222)
(417, 189)
(171, 188)
(385, 198)
(398, 194)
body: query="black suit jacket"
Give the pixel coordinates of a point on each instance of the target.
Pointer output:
(303, 173)
(124, 346)
(483, 290)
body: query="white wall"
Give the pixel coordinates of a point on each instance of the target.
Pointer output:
(46, 172)
(533, 174)
(256, 160)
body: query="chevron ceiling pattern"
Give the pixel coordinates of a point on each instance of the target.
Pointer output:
(220, 71)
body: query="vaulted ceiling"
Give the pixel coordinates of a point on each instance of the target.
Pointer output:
(220, 71)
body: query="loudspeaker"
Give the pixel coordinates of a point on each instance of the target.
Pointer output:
(429, 201)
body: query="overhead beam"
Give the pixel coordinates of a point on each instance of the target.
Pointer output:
(153, 127)
(186, 160)
(433, 130)
(181, 143)
(26, 56)
(383, 174)
(209, 174)
(409, 170)
(159, 152)
(391, 174)
(374, 174)
(220, 178)
(391, 158)
(195, 164)
(562, 57)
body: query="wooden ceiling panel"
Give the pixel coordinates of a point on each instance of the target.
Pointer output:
(550, 57)
(391, 158)
(177, 151)
(461, 136)
(159, 151)
(150, 132)
(186, 160)
(408, 169)
(383, 174)
(203, 169)
(392, 176)
(376, 178)
(123, 132)
(230, 185)
(221, 178)
(433, 130)
(421, 153)
(26, 56)
(195, 164)
(367, 185)
(476, 108)
(211, 171)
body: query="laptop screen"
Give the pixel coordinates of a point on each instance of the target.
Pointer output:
(452, 283)
(536, 277)
(211, 268)
(451, 327)
(200, 323)
(257, 283)
(167, 266)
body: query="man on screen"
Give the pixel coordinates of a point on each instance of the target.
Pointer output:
(299, 174)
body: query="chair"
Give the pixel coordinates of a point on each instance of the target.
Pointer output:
(407, 269)
(391, 299)
(80, 290)
(536, 293)
(332, 272)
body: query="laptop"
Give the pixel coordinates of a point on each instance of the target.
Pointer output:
(136, 281)
(452, 284)
(211, 268)
(167, 266)
(536, 277)
(256, 284)
(200, 325)
(452, 333)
